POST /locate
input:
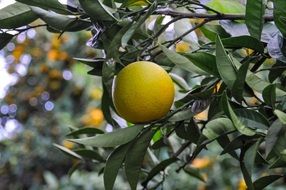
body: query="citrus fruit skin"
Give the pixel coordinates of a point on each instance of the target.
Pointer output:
(143, 92)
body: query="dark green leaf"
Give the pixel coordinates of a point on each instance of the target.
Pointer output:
(224, 65)
(60, 22)
(279, 13)
(97, 10)
(16, 15)
(130, 32)
(249, 156)
(86, 131)
(182, 62)
(67, 151)
(89, 154)
(189, 132)
(186, 114)
(224, 141)
(235, 120)
(205, 61)
(158, 168)
(5, 39)
(211, 31)
(51, 5)
(238, 86)
(269, 95)
(276, 70)
(113, 45)
(254, 17)
(264, 181)
(113, 164)
(118, 137)
(278, 163)
(194, 172)
(252, 118)
(94, 63)
(217, 127)
(135, 156)
(243, 41)
(236, 143)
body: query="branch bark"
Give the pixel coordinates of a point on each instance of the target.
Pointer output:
(221, 16)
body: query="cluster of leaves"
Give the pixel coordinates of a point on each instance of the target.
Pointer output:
(126, 31)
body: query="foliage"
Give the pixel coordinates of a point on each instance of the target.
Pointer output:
(233, 68)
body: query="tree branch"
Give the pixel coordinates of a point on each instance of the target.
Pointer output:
(221, 16)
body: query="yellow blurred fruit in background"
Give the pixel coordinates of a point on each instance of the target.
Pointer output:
(94, 117)
(182, 47)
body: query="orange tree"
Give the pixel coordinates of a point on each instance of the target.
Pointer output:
(235, 52)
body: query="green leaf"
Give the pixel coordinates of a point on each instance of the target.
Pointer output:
(254, 17)
(269, 95)
(67, 151)
(86, 131)
(61, 22)
(135, 156)
(194, 172)
(113, 164)
(205, 61)
(217, 127)
(5, 39)
(274, 137)
(182, 62)
(118, 137)
(97, 10)
(243, 41)
(74, 167)
(227, 6)
(51, 5)
(246, 176)
(238, 86)
(281, 116)
(94, 63)
(158, 168)
(279, 13)
(224, 65)
(179, 81)
(89, 154)
(259, 85)
(108, 73)
(16, 15)
(264, 181)
(235, 120)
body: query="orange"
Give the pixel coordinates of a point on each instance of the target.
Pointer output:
(143, 92)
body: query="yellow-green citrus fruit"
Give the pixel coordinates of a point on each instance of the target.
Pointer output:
(143, 92)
